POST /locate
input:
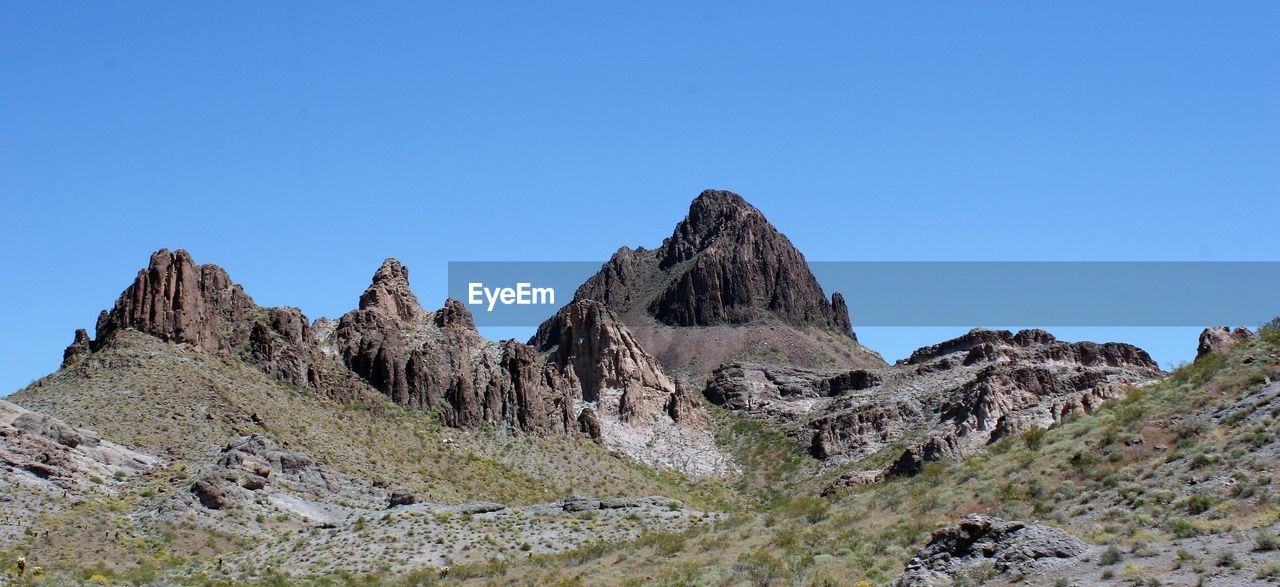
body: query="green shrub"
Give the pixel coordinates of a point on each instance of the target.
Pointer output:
(1270, 332)
(761, 568)
(1183, 529)
(1199, 371)
(977, 575)
(1034, 438)
(1198, 504)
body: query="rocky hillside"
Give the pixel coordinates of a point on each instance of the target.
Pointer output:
(725, 286)
(226, 463)
(1169, 483)
(605, 387)
(698, 414)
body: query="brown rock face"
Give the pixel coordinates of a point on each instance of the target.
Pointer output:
(958, 395)
(176, 300)
(426, 360)
(589, 425)
(740, 266)
(725, 267)
(389, 294)
(614, 372)
(583, 372)
(1220, 339)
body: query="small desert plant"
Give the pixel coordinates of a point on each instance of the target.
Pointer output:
(1182, 528)
(1198, 504)
(1266, 540)
(1034, 438)
(1270, 332)
(1200, 371)
(1111, 556)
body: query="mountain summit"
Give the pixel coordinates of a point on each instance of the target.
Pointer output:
(726, 285)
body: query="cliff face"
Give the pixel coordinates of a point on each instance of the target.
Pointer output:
(724, 285)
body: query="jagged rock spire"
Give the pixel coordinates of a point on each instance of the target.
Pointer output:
(389, 292)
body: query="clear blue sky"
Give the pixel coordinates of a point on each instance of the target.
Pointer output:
(298, 144)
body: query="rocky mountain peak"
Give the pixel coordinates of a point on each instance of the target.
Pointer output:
(739, 266)
(389, 292)
(726, 267)
(176, 300)
(712, 214)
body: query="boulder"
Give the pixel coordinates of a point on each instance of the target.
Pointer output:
(1220, 339)
(251, 464)
(1010, 548)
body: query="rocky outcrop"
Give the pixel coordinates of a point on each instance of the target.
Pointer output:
(738, 265)
(38, 449)
(249, 464)
(614, 373)
(575, 503)
(781, 392)
(583, 372)
(725, 284)
(991, 546)
(389, 294)
(438, 360)
(589, 424)
(429, 361)
(79, 347)
(945, 401)
(1220, 339)
(936, 448)
(176, 300)
(685, 408)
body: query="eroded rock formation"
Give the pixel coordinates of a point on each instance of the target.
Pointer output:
(583, 372)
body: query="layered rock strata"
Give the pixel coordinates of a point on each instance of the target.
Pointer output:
(945, 401)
